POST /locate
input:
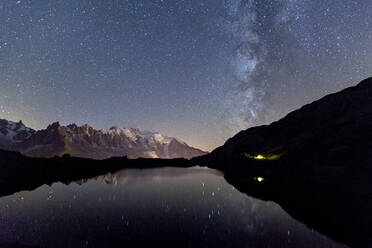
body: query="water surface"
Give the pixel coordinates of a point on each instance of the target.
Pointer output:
(159, 207)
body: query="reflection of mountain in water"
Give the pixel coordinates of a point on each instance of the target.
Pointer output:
(134, 176)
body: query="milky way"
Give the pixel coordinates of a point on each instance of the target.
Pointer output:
(288, 53)
(199, 70)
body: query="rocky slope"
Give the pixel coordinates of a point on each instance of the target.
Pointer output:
(84, 141)
(13, 132)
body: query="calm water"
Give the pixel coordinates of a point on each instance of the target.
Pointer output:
(158, 207)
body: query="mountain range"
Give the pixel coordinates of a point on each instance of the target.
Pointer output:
(84, 141)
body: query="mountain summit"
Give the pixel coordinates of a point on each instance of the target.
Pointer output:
(13, 132)
(85, 141)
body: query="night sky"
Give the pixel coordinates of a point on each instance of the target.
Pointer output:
(198, 70)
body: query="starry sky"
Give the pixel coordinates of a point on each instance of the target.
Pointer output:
(200, 70)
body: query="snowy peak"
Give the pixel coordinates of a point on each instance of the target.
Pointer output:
(136, 135)
(13, 132)
(131, 133)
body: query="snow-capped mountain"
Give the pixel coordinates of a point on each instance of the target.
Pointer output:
(13, 132)
(85, 141)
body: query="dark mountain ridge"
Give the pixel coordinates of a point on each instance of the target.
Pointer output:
(337, 124)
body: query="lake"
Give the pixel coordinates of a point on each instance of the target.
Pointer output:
(183, 207)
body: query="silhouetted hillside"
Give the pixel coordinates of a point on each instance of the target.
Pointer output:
(336, 128)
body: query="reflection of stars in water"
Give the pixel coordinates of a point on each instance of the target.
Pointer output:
(132, 211)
